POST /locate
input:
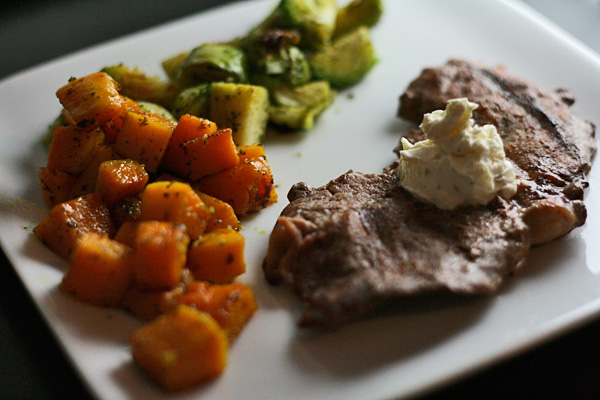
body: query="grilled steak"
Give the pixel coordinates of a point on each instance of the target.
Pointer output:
(361, 241)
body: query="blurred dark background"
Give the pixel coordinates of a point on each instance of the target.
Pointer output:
(34, 31)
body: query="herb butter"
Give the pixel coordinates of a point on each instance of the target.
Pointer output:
(459, 163)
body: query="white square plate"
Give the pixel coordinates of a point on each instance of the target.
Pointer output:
(427, 345)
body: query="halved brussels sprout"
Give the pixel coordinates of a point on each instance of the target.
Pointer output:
(193, 100)
(313, 19)
(299, 107)
(357, 13)
(274, 59)
(213, 63)
(172, 64)
(347, 60)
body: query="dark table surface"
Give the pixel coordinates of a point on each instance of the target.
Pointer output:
(32, 365)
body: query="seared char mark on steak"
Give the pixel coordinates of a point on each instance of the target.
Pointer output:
(551, 149)
(361, 240)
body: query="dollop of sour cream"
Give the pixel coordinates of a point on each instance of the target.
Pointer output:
(459, 163)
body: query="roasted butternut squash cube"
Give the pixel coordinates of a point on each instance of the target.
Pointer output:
(246, 187)
(56, 185)
(86, 183)
(221, 216)
(251, 151)
(188, 128)
(148, 304)
(100, 272)
(91, 100)
(231, 305)
(144, 137)
(68, 222)
(181, 349)
(210, 154)
(73, 148)
(118, 179)
(111, 128)
(256, 151)
(160, 254)
(217, 256)
(177, 202)
(127, 232)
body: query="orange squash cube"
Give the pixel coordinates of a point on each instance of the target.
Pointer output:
(144, 137)
(256, 151)
(231, 305)
(217, 256)
(210, 154)
(246, 187)
(111, 128)
(100, 272)
(92, 100)
(118, 179)
(86, 183)
(177, 202)
(160, 254)
(189, 127)
(56, 185)
(149, 304)
(68, 222)
(180, 349)
(127, 232)
(251, 151)
(221, 216)
(73, 148)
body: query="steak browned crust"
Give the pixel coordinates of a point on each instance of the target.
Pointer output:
(362, 241)
(350, 246)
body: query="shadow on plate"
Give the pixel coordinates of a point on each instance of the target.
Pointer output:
(400, 331)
